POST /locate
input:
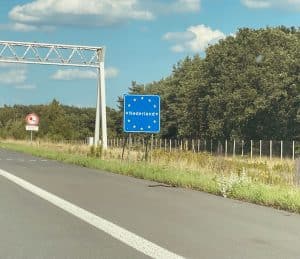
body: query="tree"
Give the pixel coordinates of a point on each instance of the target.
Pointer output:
(253, 82)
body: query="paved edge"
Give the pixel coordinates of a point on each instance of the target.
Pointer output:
(140, 244)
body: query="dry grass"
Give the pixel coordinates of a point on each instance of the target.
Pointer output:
(262, 182)
(274, 172)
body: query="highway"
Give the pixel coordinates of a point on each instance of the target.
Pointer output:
(54, 210)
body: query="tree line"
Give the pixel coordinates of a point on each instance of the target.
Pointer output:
(57, 121)
(246, 87)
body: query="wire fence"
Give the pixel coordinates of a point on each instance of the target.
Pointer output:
(232, 148)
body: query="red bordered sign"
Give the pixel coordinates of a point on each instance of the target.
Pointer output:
(32, 119)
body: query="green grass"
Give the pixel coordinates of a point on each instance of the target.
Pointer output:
(237, 179)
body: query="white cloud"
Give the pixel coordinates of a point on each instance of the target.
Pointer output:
(185, 6)
(13, 76)
(12, 65)
(73, 74)
(195, 38)
(179, 36)
(25, 87)
(111, 72)
(78, 12)
(40, 14)
(256, 3)
(281, 4)
(178, 48)
(22, 27)
(189, 5)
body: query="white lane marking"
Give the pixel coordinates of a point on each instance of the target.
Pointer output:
(140, 244)
(23, 160)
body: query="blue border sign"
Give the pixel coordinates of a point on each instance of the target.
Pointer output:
(141, 114)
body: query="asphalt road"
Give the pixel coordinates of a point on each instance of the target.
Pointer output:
(187, 223)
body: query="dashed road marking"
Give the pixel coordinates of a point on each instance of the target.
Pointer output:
(23, 160)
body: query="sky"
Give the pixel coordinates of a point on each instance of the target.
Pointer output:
(143, 40)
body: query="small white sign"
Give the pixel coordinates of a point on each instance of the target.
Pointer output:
(32, 128)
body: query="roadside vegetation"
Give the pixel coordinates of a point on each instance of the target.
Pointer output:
(260, 181)
(246, 87)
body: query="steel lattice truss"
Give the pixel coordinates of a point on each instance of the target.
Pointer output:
(50, 54)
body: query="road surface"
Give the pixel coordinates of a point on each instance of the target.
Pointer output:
(180, 223)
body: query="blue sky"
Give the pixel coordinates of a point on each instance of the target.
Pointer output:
(143, 39)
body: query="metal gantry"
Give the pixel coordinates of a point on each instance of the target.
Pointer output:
(63, 55)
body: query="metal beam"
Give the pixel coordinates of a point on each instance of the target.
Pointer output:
(49, 54)
(63, 55)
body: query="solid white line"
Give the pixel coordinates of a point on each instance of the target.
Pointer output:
(140, 244)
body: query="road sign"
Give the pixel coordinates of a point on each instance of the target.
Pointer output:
(32, 119)
(141, 114)
(32, 128)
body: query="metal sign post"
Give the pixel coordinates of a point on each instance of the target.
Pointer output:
(63, 55)
(101, 102)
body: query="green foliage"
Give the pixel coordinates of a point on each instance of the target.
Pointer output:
(95, 152)
(57, 122)
(253, 82)
(246, 87)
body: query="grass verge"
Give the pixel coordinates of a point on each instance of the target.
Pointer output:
(236, 186)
